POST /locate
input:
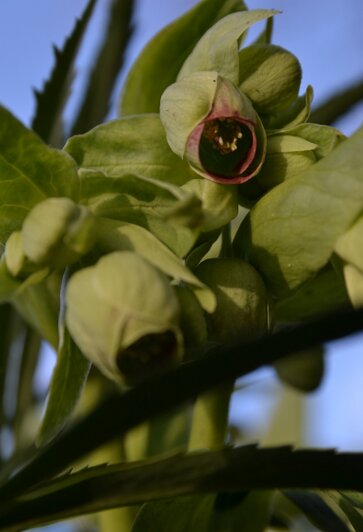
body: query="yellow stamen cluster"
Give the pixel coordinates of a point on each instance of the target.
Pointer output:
(223, 134)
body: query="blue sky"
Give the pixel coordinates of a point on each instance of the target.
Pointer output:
(326, 36)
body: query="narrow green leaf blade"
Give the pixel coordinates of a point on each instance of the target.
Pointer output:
(291, 232)
(68, 379)
(176, 515)
(180, 385)
(50, 102)
(30, 171)
(229, 470)
(96, 101)
(163, 57)
(317, 510)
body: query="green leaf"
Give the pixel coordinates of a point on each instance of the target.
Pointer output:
(163, 57)
(131, 145)
(180, 386)
(115, 237)
(291, 232)
(315, 297)
(218, 47)
(29, 173)
(181, 514)
(303, 371)
(169, 212)
(69, 377)
(107, 65)
(270, 76)
(354, 516)
(50, 102)
(228, 470)
(236, 512)
(354, 497)
(318, 511)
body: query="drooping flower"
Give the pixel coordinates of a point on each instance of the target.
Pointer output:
(211, 123)
(123, 314)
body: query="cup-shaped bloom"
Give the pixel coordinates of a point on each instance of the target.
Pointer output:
(211, 123)
(123, 314)
(242, 301)
(57, 232)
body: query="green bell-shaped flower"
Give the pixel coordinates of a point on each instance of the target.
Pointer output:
(124, 315)
(57, 232)
(211, 123)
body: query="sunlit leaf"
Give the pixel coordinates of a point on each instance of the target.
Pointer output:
(291, 232)
(30, 171)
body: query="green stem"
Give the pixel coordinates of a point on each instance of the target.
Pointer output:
(210, 418)
(226, 247)
(338, 105)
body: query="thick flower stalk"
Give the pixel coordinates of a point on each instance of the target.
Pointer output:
(211, 123)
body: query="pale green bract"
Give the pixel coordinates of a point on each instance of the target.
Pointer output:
(218, 48)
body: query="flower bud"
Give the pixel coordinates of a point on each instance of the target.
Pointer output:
(123, 314)
(212, 123)
(242, 302)
(57, 232)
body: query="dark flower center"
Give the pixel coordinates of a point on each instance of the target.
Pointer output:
(224, 146)
(146, 356)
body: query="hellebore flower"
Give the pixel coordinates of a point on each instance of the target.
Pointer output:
(211, 123)
(124, 315)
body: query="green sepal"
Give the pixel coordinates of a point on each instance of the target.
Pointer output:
(286, 157)
(164, 55)
(270, 76)
(297, 113)
(184, 105)
(218, 47)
